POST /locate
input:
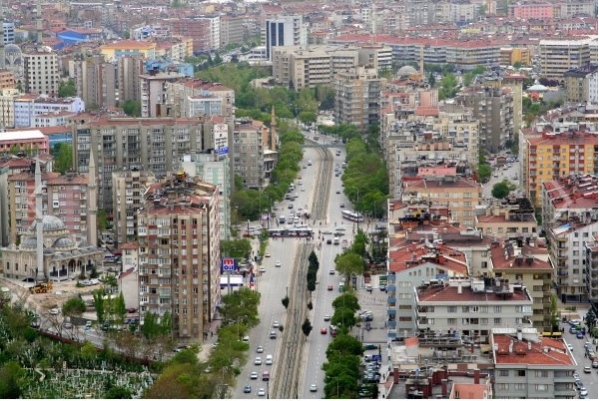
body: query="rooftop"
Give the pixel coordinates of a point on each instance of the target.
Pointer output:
(413, 255)
(472, 290)
(545, 351)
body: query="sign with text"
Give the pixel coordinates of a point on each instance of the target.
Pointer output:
(228, 265)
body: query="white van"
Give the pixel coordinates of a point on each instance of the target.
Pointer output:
(268, 359)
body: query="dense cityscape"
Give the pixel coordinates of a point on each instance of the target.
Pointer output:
(298, 199)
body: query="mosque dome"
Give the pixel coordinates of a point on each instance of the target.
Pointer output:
(406, 70)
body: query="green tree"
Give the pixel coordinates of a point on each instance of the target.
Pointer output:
(502, 189)
(241, 306)
(517, 65)
(238, 248)
(346, 300)
(554, 313)
(118, 393)
(67, 89)
(11, 374)
(119, 308)
(449, 87)
(89, 351)
(307, 117)
(99, 305)
(344, 344)
(306, 327)
(432, 80)
(285, 302)
(484, 172)
(348, 264)
(102, 222)
(63, 157)
(74, 306)
(132, 108)
(345, 318)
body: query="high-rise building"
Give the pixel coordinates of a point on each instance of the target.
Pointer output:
(204, 30)
(41, 72)
(358, 98)
(248, 152)
(128, 188)
(558, 56)
(153, 93)
(96, 81)
(129, 69)
(494, 108)
(179, 265)
(283, 31)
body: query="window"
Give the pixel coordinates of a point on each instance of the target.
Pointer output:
(504, 373)
(521, 373)
(452, 309)
(520, 386)
(497, 309)
(541, 373)
(541, 387)
(452, 321)
(497, 320)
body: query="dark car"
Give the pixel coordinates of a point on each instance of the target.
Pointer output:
(247, 389)
(579, 335)
(370, 347)
(273, 335)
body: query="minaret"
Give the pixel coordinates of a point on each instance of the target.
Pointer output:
(92, 202)
(39, 223)
(2, 61)
(273, 130)
(38, 24)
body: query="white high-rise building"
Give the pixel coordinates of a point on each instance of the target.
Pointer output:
(283, 31)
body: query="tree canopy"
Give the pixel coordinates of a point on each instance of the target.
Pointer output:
(63, 157)
(349, 263)
(241, 306)
(502, 189)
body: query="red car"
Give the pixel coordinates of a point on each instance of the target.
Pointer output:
(323, 330)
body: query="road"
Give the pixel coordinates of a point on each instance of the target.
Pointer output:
(273, 286)
(589, 380)
(509, 174)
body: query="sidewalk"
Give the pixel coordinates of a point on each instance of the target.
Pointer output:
(212, 329)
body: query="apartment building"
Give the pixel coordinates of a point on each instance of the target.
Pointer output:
(248, 152)
(530, 366)
(556, 154)
(468, 55)
(7, 106)
(27, 107)
(203, 29)
(155, 144)
(192, 97)
(129, 69)
(179, 254)
(96, 81)
(306, 67)
(7, 79)
(286, 30)
(154, 93)
(128, 188)
(214, 168)
(124, 48)
(591, 267)
(494, 109)
(514, 260)
(472, 307)
(237, 29)
(531, 11)
(558, 56)
(41, 72)
(31, 141)
(408, 266)
(581, 85)
(458, 194)
(358, 97)
(508, 217)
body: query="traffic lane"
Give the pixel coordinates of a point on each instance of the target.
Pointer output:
(502, 175)
(589, 381)
(318, 343)
(272, 285)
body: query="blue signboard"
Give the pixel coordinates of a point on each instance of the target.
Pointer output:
(223, 151)
(376, 357)
(228, 264)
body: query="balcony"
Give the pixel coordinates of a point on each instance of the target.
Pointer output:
(562, 273)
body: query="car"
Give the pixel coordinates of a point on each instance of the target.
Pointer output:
(576, 377)
(594, 363)
(329, 242)
(342, 206)
(587, 369)
(254, 376)
(332, 272)
(290, 206)
(327, 318)
(28, 280)
(570, 347)
(583, 391)
(273, 335)
(246, 339)
(258, 361)
(54, 311)
(587, 345)
(247, 389)
(573, 330)
(262, 269)
(268, 360)
(313, 388)
(131, 310)
(579, 385)
(277, 263)
(579, 335)
(323, 330)
(267, 255)
(370, 347)
(260, 349)
(261, 392)
(338, 192)
(276, 324)
(329, 288)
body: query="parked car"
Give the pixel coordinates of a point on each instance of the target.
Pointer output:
(579, 335)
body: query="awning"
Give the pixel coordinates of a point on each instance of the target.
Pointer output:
(391, 312)
(485, 348)
(391, 300)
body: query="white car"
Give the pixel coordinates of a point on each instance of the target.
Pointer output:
(54, 311)
(261, 392)
(260, 349)
(254, 376)
(246, 339)
(267, 255)
(278, 263)
(258, 361)
(262, 269)
(570, 347)
(313, 388)
(275, 324)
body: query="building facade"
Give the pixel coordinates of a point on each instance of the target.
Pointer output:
(283, 31)
(41, 72)
(179, 253)
(558, 56)
(358, 98)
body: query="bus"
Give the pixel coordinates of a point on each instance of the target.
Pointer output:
(352, 216)
(290, 232)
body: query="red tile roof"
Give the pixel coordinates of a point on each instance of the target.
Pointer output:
(545, 352)
(413, 255)
(130, 245)
(451, 294)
